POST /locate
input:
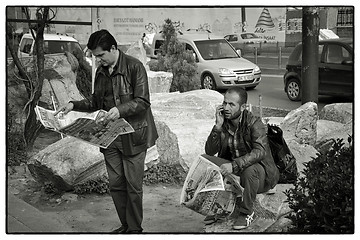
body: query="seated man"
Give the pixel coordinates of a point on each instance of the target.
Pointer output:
(240, 137)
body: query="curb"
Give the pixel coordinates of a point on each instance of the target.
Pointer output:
(24, 218)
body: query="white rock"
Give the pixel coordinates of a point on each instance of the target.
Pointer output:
(300, 124)
(159, 82)
(190, 116)
(302, 152)
(337, 112)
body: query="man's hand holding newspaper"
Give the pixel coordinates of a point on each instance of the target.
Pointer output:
(89, 127)
(207, 192)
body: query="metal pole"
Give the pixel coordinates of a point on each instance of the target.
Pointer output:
(310, 45)
(279, 59)
(260, 107)
(255, 51)
(243, 19)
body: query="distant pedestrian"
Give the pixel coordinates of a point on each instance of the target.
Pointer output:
(121, 88)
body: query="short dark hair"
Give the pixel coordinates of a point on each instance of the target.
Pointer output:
(241, 92)
(103, 39)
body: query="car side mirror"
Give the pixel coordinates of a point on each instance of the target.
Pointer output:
(238, 52)
(195, 57)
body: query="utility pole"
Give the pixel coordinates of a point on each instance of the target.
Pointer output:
(310, 62)
(243, 19)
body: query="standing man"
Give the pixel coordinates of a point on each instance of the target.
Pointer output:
(121, 88)
(239, 138)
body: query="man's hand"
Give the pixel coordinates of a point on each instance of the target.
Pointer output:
(65, 109)
(226, 169)
(219, 116)
(111, 115)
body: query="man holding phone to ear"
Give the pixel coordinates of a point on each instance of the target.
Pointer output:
(240, 141)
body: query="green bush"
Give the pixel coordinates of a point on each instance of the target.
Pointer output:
(323, 200)
(174, 58)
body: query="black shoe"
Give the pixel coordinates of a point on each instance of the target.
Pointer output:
(121, 229)
(134, 231)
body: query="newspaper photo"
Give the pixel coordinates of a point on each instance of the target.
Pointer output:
(84, 126)
(207, 192)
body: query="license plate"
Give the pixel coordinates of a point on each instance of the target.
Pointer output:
(245, 78)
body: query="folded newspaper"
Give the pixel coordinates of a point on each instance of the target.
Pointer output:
(84, 125)
(207, 192)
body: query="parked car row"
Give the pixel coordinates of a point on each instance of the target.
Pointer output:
(246, 42)
(220, 65)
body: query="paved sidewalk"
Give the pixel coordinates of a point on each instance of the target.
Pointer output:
(24, 218)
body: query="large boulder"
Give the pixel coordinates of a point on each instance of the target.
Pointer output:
(137, 50)
(343, 131)
(300, 124)
(66, 163)
(70, 161)
(337, 112)
(59, 84)
(303, 153)
(190, 116)
(159, 82)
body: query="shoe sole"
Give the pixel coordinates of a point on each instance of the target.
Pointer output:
(210, 222)
(239, 228)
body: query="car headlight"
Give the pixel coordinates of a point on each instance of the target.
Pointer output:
(225, 71)
(257, 69)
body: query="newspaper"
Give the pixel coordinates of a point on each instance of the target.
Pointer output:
(84, 126)
(207, 192)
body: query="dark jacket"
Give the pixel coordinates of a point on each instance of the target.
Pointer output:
(132, 98)
(253, 132)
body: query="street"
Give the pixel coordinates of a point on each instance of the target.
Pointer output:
(271, 87)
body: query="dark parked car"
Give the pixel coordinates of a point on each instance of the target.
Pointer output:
(336, 69)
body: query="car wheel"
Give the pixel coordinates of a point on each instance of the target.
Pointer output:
(293, 89)
(208, 82)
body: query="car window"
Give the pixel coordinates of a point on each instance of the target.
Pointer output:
(231, 38)
(248, 36)
(158, 44)
(215, 49)
(336, 54)
(320, 50)
(26, 45)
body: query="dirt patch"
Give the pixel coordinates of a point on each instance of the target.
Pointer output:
(95, 213)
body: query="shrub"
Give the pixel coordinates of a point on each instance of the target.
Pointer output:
(323, 200)
(162, 173)
(99, 185)
(173, 57)
(15, 146)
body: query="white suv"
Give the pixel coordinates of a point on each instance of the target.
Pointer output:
(53, 43)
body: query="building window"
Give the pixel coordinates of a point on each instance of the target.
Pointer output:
(345, 16)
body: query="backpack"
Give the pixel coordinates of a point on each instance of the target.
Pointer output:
(284, 159)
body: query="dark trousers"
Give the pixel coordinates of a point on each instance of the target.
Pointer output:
(252, 179)
(126, 186)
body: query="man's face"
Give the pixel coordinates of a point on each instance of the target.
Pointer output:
(232, 108)
(105, 58)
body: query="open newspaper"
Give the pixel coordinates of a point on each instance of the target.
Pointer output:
(207, 192)
(84, 125)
